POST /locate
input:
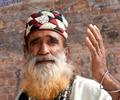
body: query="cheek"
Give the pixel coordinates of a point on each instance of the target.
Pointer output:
(34, 50)
(56, 50)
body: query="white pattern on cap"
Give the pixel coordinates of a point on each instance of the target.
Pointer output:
(47, 20)
(42, 19)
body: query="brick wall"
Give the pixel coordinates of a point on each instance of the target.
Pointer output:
(106, 14)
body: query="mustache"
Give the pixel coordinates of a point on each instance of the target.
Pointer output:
(45, 58)
(41, 58)
(38, 59)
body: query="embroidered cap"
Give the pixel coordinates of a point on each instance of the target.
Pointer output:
(47, 19)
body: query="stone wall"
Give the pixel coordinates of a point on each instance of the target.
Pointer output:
(104, 13)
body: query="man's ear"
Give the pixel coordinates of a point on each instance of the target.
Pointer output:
(67, 53)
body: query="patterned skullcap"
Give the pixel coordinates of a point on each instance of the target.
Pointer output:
(47, 19)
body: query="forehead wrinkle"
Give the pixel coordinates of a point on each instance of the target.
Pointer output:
(44, 33)
(40, 35)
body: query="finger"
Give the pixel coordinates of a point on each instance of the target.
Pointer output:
(94, 31)
(97, 29)
(93, 41)
(97, 35)
(90, 46)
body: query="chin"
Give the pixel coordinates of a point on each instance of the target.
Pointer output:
(46, 80)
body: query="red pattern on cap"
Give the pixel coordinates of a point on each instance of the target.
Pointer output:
(55, 21)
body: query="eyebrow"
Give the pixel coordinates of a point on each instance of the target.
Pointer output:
(54, 38)
(51, 37)
(34, 39)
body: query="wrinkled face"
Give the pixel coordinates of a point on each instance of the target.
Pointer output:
(47, 70)
(45, 43)
(46, 56)
(46, 63)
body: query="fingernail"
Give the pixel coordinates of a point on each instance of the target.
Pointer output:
(91, 25)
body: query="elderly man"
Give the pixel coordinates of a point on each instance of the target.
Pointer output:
(48, 73)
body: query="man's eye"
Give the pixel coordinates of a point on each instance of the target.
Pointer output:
(53, 41)
(34, 42)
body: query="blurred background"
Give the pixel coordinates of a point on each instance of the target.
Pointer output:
(79, 13)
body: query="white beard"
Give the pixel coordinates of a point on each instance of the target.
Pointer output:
(49, 75)
(50, 71)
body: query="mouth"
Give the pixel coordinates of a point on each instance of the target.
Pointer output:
(44, 61)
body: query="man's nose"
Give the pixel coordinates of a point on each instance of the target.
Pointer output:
(44, 49)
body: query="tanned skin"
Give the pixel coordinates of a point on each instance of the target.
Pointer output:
(94, 42)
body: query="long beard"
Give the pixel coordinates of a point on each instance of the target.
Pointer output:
(45, 81)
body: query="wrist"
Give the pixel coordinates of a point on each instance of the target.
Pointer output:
(97, 75)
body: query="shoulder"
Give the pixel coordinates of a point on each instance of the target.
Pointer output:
(83, 86)
(86, 82)
(22, 96)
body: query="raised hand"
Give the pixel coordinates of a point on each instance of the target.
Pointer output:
(94, 42)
